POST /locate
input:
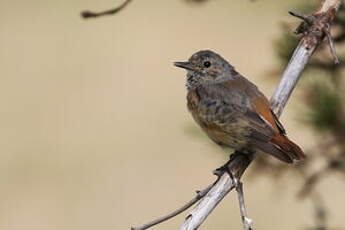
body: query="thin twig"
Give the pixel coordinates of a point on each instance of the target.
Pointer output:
(199, 195)
(247, 222)
(331, 46)
(90, 14)
(308, 19)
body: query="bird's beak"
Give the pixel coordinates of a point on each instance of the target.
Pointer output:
(185, 65)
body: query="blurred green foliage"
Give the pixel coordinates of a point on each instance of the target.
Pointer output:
(325, 107)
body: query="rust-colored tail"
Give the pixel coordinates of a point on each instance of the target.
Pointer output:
(288, 147)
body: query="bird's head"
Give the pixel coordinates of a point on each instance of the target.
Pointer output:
(206, 67)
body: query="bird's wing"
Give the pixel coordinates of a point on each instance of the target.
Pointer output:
(253, 105)
(232, 107)
(240, 99)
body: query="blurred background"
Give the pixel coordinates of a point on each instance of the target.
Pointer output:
(95, 133)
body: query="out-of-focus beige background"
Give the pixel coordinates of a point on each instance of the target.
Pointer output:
(95, 133)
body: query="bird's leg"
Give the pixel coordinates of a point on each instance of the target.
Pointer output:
(247, 222)
(225, 168)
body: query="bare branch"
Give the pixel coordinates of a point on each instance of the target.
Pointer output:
(199, 195)
(90, 14)
(312, 37)
(247, 222)
(236, 166)
(310, 40)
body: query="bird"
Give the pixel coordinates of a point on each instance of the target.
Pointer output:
(232, 111)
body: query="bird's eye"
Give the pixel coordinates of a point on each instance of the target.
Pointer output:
(207, 64)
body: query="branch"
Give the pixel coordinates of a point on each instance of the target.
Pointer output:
(199, 195)
(312, 37)
(247, 223)
(90, 14)
(236, 166)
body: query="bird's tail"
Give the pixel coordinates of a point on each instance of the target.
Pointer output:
(288, 147)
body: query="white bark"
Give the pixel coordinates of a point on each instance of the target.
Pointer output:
(290, 78)
(208, 202)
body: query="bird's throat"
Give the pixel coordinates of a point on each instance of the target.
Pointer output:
(192, 81)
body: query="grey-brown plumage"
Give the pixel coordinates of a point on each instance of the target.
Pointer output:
(231, 110)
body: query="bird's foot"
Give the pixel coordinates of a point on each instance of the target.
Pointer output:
(224, 168)
(221, 170)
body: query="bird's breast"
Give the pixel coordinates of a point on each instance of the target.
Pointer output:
(220, 120)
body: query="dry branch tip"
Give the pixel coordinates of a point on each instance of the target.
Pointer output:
(86, 14)
(309, 19)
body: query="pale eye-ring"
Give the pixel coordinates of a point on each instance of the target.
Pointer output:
(207, 64)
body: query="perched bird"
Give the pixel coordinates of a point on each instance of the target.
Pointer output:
(231, 110)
